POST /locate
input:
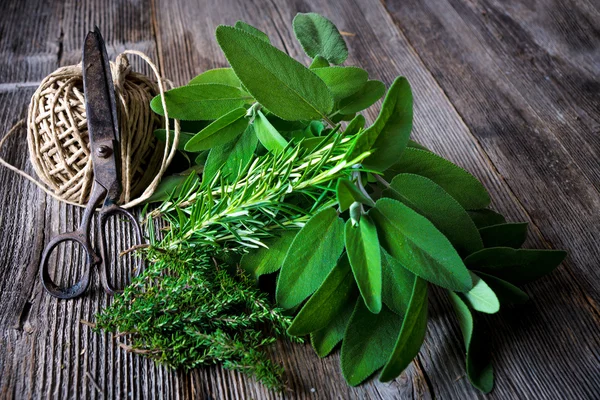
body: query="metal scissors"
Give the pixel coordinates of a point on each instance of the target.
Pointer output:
(103, 128)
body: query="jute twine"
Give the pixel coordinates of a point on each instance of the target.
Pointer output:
(58, 139)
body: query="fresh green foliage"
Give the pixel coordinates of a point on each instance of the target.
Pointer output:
(352, 224)
(184, 137)
(277, 81)
(319, 37)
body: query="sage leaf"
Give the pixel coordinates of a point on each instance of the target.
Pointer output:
(431, 201)
(460, 184)
(267, 134)
(342, 81)
(419, 246)
(264, 261)
(170, 186)
(222, 130)
(324, 340)
(200, 102)
(479, 367)
(253, 31)
(347, 193)
(312, 255)
(398, 283)
(506, 292)
(362, 247)
(481, 298)
(415, 145)
(327, 302)
(318, 36)
(278, 82)
(223, 76)
(412, 333)
(389, 134)
(319, 62)
(364, 98)
(161, 134)
(368, 342)
(486, 217)
(355, 125)
(231, 158)
(504, 235)
(515, 266)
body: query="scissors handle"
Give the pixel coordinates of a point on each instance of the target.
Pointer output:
(81, 236)
(107, 212)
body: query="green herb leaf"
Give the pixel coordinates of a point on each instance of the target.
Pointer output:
(170, 187)
(415, 145)
(200, 102)
(318, 36)
(277, 81)
(363, 251)
(342, 81)
(515, 266)
(419, 246)
(348, 193)
(355, 125)
(412, 333)
(219, 132)
(253, 31)
(229, 159)
(481, 298)
(398, 283)
(507, 293)
(319, 62)
(161, 134)
(314, 252)
(327, 302)
(431, 201)
(504, 235)
(460, 184)
(264, 261)
(479, 366)
(486, 217)
(267, 134)
(364, 98)
(223, 76)
(325, 340)
(368, 342)
(390, 132)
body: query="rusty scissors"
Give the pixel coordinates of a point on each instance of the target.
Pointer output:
(103, 128)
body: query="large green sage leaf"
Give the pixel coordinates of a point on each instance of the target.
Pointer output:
(355, 125)
(363, 251)
(200, 102)
(481, 298)
(515, 266)
(412, 333)
(364, 98)
(342, 81)
(220, 131)
(224, 76)
(347, 193)
(229, 159)
(319, 62)
(460, 184)
(486, 217)
(417, 244)
(277, 81)
(318, 36)
(264, 261)
(327, 302)
(368, 342)
(253, 31)
(505, 291)
(431, 200)
(313, 253)
(479, 367)
(389, 134)
(398, 283)
(325, 340)
(267, 134)
(504, 235)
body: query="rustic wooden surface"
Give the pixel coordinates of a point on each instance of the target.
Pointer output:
(508, 89)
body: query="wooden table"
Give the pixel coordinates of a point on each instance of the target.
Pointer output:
(507, 89)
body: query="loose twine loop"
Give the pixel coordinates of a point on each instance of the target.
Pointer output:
(58, 139)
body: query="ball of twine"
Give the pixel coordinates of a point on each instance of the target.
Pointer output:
(58, 138)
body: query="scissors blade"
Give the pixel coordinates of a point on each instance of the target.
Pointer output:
(101, 111)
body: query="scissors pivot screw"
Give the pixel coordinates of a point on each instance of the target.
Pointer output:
(104, 151)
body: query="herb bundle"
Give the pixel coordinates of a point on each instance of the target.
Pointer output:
(354, 221)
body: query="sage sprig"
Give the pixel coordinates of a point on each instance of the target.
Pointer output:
(354, 221)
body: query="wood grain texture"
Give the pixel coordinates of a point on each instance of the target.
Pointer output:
(508, 90)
